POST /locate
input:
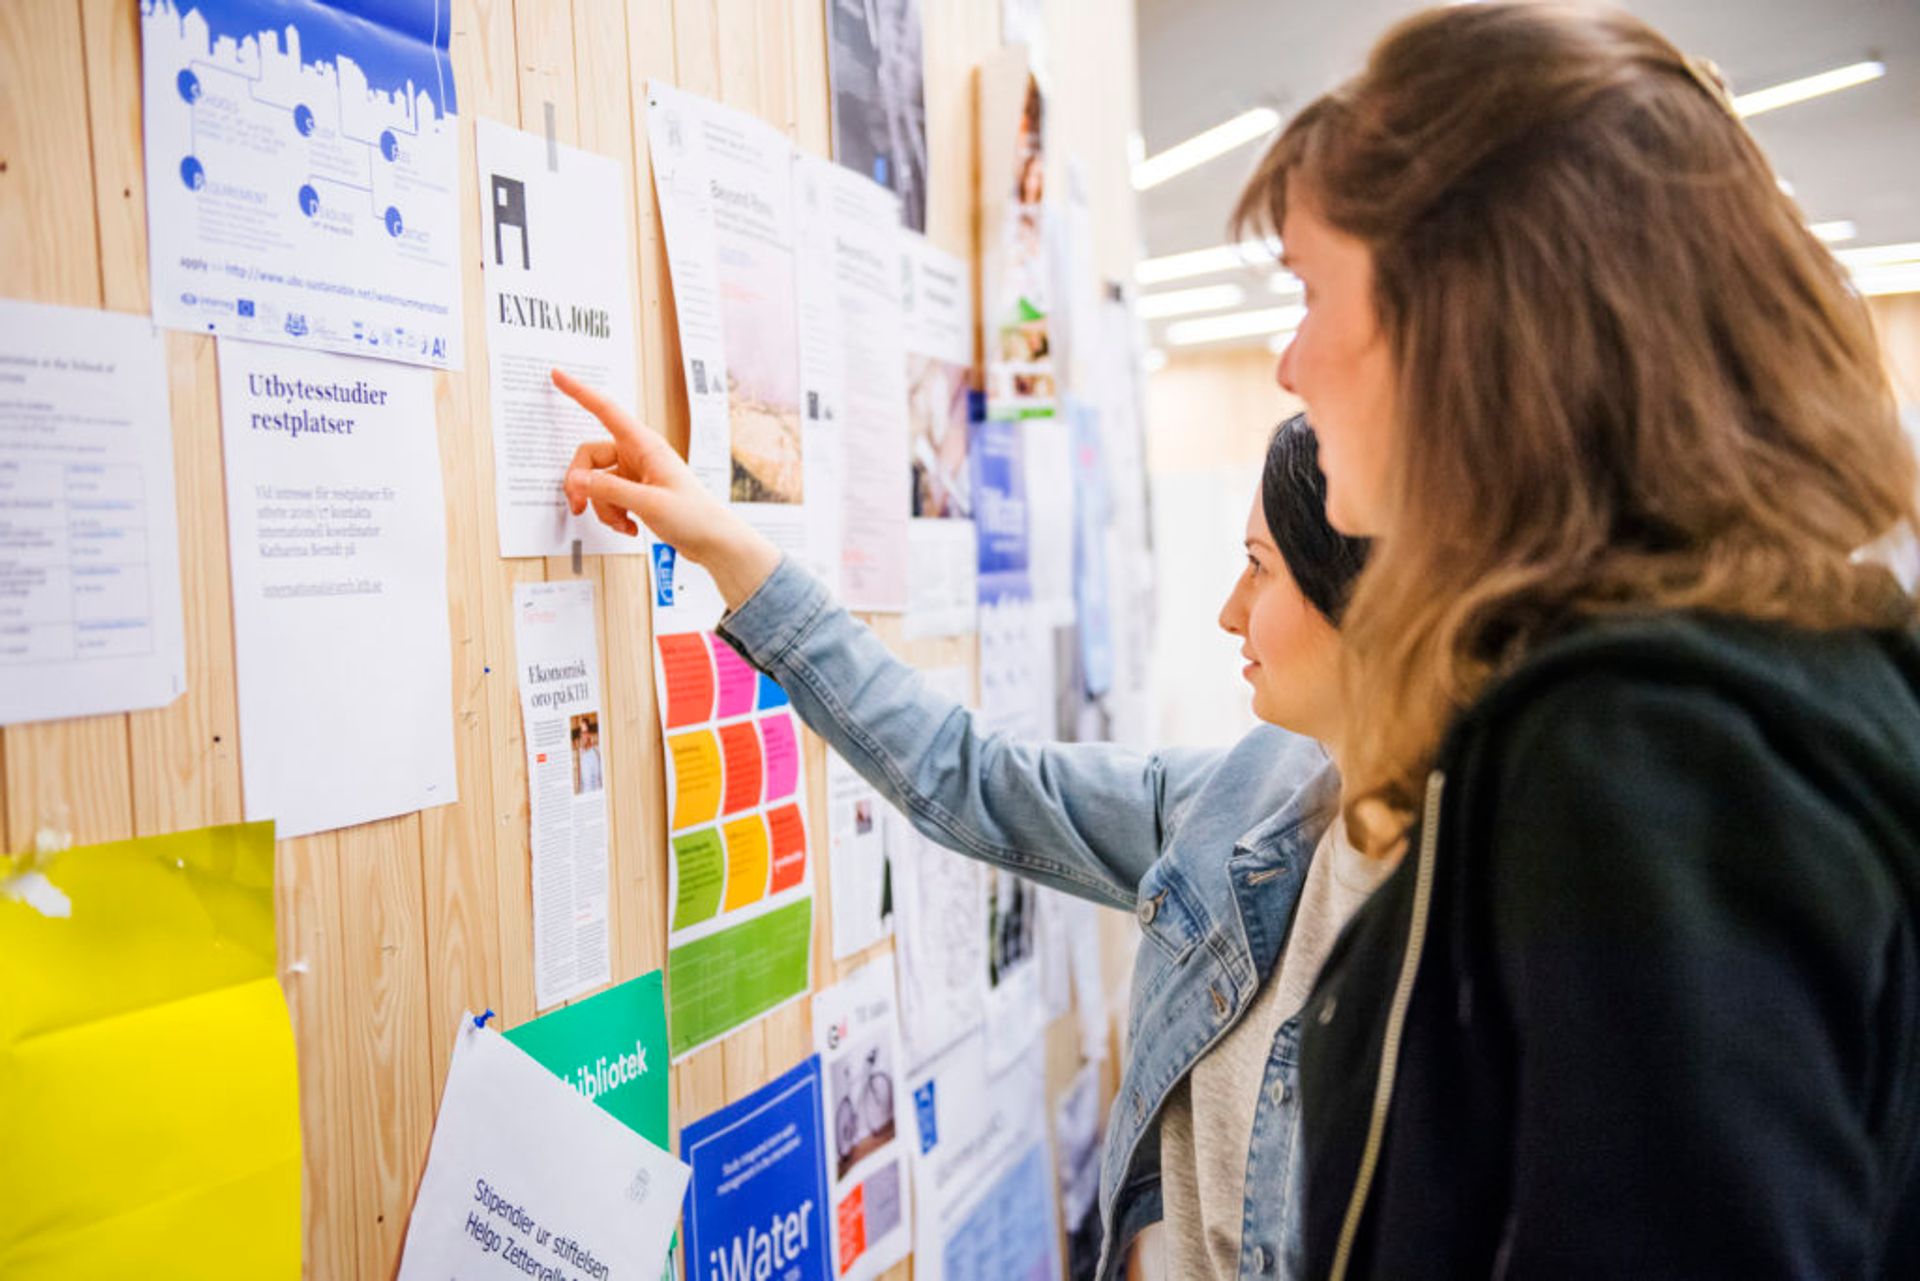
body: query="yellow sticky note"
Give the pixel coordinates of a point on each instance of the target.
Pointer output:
(149, 1096)
(746, 861)
(696, 778)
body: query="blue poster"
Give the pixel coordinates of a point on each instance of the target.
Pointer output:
(1010, 1235)
(757, 1203)
(1090, 550)
(303, 173)
(1000, 511)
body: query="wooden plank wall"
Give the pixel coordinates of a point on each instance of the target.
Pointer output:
(389, 930)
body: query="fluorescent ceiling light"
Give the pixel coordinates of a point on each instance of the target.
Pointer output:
(1185, 302)
(1286, 284)
(1834, 232)
(1238, 324)
(1203, 262)
(1773, 97)
(1878, 255)
(1278, 343)
(1896, 278)
(1206, 145)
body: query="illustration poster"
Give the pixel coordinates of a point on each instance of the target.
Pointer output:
(739, 874)
(302, 172)
(1016, 269)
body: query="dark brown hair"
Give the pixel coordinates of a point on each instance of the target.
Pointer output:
(1628, 377)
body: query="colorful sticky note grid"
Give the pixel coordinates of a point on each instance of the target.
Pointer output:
(740, 748)
(737, 679)
(688, 674)
(700, 864)
(696, 778)
(789, 847)
(782, 755)
(746, 861)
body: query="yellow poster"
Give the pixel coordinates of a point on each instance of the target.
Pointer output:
(149, 1105)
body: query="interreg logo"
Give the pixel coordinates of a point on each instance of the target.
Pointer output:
(663, 556)
(923, 1114)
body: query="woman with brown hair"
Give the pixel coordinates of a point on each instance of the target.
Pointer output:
(1638, 725)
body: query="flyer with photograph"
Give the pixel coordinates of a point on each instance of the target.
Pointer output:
(725, 182)
(558, 652)
(866, 1117)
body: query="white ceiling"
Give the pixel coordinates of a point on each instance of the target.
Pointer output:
(1853, 155)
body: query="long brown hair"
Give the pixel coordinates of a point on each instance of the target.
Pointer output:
(1629, 378)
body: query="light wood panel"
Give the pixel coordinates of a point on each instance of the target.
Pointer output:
(389, 930)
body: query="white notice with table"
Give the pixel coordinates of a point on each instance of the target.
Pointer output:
(90, 616)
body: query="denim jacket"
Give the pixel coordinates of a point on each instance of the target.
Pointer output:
(1208, 850)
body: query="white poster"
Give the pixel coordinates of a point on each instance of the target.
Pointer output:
(90, 616)
(823, 372)
(865, 219)
(527, 1178)
(943, 581)
(559, 295)
(983, 1170)
(942, 940)
(556, 647)
(302, 162)
(725, 182)
(1051, 481)
(858, 860)
(1016, 671)
(867, 1121)
(337, 530)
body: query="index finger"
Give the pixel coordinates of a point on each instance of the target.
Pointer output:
(611, 416)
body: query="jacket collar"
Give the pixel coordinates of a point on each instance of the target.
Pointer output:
(1305, 814)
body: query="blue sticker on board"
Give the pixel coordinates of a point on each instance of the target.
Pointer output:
(923, 1113)
(663, 555)
(757, 1202)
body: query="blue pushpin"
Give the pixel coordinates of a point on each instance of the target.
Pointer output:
(480, 1020)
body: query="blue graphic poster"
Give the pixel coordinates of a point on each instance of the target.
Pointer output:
(302, 173)
(756, 1205)
(1000, 511)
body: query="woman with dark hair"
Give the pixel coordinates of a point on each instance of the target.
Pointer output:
(1233, 861)
(1641, 997)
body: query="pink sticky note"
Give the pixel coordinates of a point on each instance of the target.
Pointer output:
(782, 755)
(737, 680)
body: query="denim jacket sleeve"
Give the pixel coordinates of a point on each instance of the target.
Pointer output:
(1087, 818)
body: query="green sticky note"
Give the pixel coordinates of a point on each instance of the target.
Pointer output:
(612, 1048)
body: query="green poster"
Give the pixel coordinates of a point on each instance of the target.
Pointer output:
(612, 1048)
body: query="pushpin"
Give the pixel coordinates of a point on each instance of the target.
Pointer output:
(480, 1020)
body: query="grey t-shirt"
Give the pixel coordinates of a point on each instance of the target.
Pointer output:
(1207, 1125)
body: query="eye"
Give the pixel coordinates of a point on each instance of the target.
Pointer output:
(1253, 566)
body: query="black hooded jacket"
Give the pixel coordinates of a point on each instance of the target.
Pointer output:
(1663, 1018)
